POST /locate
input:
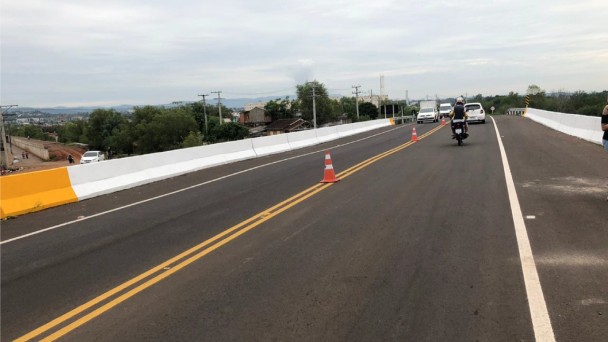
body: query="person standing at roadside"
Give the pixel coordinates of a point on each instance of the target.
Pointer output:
(605, 127)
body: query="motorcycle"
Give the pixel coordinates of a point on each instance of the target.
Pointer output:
(459, 131)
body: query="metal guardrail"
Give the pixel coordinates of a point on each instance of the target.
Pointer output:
(516, 111)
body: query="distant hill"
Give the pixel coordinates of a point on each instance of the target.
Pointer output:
(238, 103)
(68, 110)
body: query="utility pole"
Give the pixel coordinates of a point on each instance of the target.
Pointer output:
(219, 103)
(6, 161)
(314, 107)
(205, 114)
(356, 92)
(380, 99)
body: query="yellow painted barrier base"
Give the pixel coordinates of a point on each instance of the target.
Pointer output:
(33, 191)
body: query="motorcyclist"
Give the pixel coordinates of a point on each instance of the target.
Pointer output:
(459, 113)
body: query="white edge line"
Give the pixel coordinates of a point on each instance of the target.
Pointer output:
(187, 188)
(541, 322)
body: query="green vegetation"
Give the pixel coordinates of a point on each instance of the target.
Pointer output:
(31, 131)
(151, 129)
(325, 112)
(281, 108)
(575, 103)
(155, 129)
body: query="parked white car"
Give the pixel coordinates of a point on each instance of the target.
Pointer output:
(92, 157)
(427, 114)
(475, 112)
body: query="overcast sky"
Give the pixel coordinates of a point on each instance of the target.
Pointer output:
(112, 52)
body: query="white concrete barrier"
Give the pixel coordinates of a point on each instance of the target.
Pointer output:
(264, 146)
(326, 134)
(352, 129)
(302, 139)
(581, 126)
(95, 179)
(374, 124)
(90, 180)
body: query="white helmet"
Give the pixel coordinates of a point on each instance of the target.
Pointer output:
(460, 100)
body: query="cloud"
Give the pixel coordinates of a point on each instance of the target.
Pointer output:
(147, 51)
(302, 71)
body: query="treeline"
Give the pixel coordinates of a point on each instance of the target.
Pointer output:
(148, 129)
(578, 102)
(151, 129)
(327, 110)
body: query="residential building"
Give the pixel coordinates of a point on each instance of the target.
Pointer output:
(254, 117)
(286, 126)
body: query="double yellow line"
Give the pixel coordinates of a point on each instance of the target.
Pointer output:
(156, 274)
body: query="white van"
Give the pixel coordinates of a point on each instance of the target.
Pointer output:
(445, 109)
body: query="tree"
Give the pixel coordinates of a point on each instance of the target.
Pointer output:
(159, 129)
(198, 113)
(102, 124)
(348, 105)
(122, 139)
(30, 131)
(231, 131)
(368, 109)
(193, 139)
(280, 108)
(73, 132)
(146, 114)
(324, 112)
(533, 89)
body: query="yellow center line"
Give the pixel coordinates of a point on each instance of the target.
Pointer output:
(153, 270)
(223, 238)
(173, 270)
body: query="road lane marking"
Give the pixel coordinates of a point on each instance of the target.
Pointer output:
(83, 218)
(150, 272)
(173, 265)
(61, 332)
(541, 322)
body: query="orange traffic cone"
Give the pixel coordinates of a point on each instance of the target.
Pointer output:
(414, 135)
(443, 121)
(329, 176)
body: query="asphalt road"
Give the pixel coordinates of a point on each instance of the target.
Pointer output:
(418, 244)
